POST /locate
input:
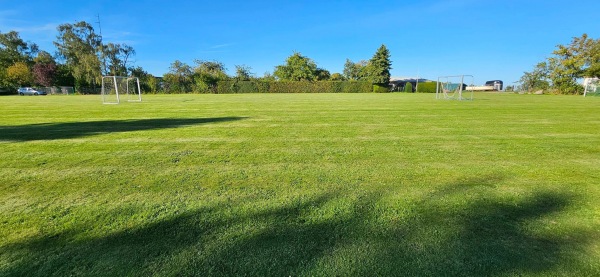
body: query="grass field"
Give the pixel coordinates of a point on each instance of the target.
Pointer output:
(300, 185)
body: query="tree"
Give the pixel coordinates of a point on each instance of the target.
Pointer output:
(43, 74)
(116, 59)
(19, 74)
(148, 83)
(378, 69)
(44, 69)
(242, 73)
(207, 74)
(337, 77)
(267, 77)
(44, 57)
(63, 76)
(322, 74)
(593, 60)
(154, 84)
(537, 79)
(297, 68)
(354, 71)
(580, 58)
(179, 78)
(79, 46)
(567, 65)
(13, 49)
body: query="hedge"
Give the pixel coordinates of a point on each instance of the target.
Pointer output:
(427, 87)
(233, 86)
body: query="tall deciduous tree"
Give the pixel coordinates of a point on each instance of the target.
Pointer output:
(354, 71)
(207, 74)
(44, 69)
(179, 78)
(116, 59)
(148, 82)
(79, 46)
(337, 77)
(243, 73)
(13, 49)
(63, 76)
(297, 68)
(537, 79)
(44, 57)
(322, 74)
(19, 74)
(593, 60)
(580, 58)
(43, 74)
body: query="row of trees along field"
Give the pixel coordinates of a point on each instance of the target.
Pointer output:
(560, 72)
(82, 58)
(298, 73)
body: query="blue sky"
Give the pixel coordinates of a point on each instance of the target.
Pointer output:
(487, 39)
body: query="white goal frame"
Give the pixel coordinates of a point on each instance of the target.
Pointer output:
(133, 92)
(592, 87)
(444, 88)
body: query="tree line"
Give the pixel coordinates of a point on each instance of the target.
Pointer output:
(560, 72)
(205, 76)
(82, 58)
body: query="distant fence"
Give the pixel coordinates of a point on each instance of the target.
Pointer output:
(88, 90)
(57, 90)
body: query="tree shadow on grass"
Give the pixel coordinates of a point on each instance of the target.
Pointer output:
(68, 130)
(486, 238)
(482, 238)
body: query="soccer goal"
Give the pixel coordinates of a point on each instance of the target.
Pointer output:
(115, 89)
(454, 87)
(592, 87)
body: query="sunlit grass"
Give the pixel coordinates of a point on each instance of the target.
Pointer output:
(300, 184)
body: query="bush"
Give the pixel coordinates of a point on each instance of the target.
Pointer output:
(408, 87)
(7, 91)
(379, 88)
(427, 87)
(233, 86)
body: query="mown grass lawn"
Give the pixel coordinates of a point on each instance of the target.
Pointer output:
(300, 185)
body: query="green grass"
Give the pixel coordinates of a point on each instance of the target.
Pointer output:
(300, 185)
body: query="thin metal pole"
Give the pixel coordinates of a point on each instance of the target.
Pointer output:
(116, 89)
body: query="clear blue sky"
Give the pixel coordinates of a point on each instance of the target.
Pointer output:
(487, 39)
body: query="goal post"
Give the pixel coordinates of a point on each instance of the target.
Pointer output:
(117, 88)
(454, 87)
(591, 87)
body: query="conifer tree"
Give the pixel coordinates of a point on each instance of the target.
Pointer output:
(378, 69)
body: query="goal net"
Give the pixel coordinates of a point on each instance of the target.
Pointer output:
(454, 87)
(116, 89)
(592, 87)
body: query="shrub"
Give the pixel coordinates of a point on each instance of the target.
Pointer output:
(233, 86)
(379, 88)
(408, 87)
(427, 87)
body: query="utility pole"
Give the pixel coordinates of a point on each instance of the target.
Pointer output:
(417, 85)
(101, 44)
